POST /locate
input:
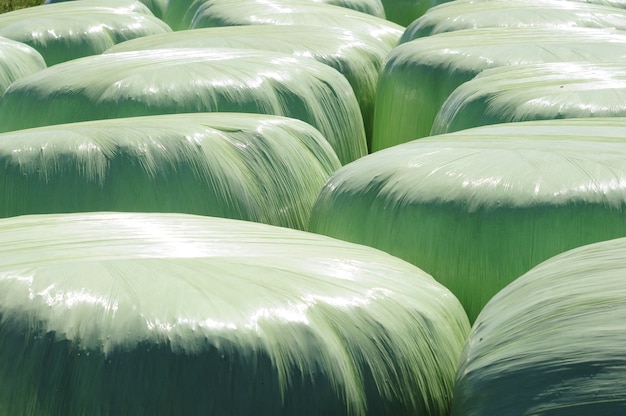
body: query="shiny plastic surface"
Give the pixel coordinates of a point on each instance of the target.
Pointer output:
(190, 80)
(552, 342)
(245, 166)
(478, 208)
(176, 314)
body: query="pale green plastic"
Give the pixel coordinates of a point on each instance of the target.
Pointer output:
(358, 56)
(535, 92)
(180, 13)
(156, 7)
(217, 13)
(246, 166)
(161, 314)
(70, 30)
(474, 14)
(420, 75)
(18, 60)
(480, 207)
(169, 81)
(552, 342)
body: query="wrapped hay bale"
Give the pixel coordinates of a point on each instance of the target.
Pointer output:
(70, 30)
(18, 60)
(535, 92)
(552, 342)
(358, 56)
(186, 81)
(160, 314)
(420, 75)
(217, 13)
(473, 14)
(404, 12)
(259, 168)
(180, 13)
(480, 207)
(156, 7)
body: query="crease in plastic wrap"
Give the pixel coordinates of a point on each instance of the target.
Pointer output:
(111, 313)
(18, 60)
(535, 92)
(358, 56)
(478, 208)
(65, 31)
(169, 81)
(217, 13)
(474, 14)
(245, 166)
(552, 342)
(418, 76)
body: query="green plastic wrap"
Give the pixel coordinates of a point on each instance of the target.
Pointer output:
(187, 81)
(535, 92)
(404, 12)
(480, 207)
(473, 14)
(420, 75)
(217, 13)
(552, 342)
(70, 30)
(358, 56)
(244, 166)
(372, 7)
(18, 60)
(181, 13)
(161, 314)
(156, 7)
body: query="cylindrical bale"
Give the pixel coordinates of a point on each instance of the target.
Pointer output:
(420, 75)
(552, 342)
(474, 14)
(358, 56)
(74, 29)
(480, 207)
(180, 13)
(217, 13)
(169, 81)
(161, 314)
(245, 166)
(535, 92)
(156, 7)
(18, 60)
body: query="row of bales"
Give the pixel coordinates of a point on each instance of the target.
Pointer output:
(313, 207)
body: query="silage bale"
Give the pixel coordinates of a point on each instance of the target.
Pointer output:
(535, 92)
(474, 14)
(18, 60)
(420, 75)
(70, 30)
(480, 207)
(217, 13)
(156, 7)
(358, 56)
(186, 81)
(180, 13)
(244, 166)
(160, 314)
(552, 342)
